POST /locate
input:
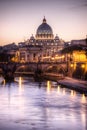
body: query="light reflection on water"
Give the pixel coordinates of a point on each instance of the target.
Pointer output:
(29, 105)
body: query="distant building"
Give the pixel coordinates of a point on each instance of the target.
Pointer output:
(21, 44)
(78, 42)
(42, 46)
(10, 46)
(75, 54)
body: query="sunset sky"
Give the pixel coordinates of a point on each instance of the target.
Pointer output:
(19, 19)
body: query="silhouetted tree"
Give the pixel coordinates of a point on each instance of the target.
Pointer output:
(5, 57)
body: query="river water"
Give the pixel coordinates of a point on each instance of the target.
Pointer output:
(29, 105)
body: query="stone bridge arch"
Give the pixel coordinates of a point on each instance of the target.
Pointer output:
(23, 68)
(32, 67)
(55, 69)
(26, 67)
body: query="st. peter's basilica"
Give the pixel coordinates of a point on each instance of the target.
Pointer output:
(42, 46)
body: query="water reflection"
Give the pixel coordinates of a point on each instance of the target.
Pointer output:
(25, 107)
(48, 87)
(4, 82)
(20, 85)
(83, 99)
(64, 91)
(58, 89)
(73, 93)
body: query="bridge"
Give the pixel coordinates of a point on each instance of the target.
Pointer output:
(32, 66)
(74, 69)
(9, 69)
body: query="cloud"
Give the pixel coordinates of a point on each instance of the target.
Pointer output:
(85, 5)
(79, 6)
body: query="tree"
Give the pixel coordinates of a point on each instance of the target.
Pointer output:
(71, 48)
(4, 57)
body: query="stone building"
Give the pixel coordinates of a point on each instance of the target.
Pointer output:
(42, 46)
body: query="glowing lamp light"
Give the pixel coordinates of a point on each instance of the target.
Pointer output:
(83, 66)
(71, 65)
(62, 56)
(52, 58)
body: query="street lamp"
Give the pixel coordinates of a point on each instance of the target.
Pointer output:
(83, 66)
(86, 47)
(71, 65)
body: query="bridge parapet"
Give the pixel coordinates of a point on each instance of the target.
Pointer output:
(10, 68)
(33, 65)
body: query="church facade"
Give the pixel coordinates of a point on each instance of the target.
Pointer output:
(41, 47)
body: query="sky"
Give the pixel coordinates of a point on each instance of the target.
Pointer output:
(19, 19)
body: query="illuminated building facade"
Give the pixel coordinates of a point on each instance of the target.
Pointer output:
(41, 47)
(76, 56)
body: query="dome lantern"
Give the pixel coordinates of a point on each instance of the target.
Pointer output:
(44, 20)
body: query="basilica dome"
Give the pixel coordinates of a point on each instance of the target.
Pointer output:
(44, 31)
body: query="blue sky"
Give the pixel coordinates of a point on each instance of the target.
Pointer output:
(19, 19)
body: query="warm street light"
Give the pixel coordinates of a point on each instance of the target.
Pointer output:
(71, 65)
(83, 66)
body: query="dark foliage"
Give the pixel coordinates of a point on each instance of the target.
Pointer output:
(5, 57)
(70, 49)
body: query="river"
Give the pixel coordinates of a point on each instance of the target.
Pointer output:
(29, 105)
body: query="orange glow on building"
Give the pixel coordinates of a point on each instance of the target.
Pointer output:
(79, 56)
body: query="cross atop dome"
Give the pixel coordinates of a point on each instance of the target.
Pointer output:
(44, 20)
